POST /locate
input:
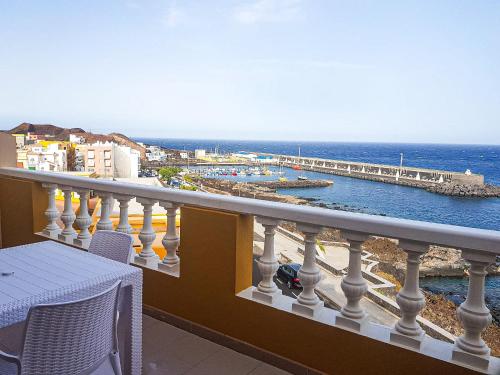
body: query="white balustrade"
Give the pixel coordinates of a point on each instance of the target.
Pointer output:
(309, 274)
(482, 247)
(410, 299)
(147, 256)
(267, 291)
(123, 225)
(67, 217)
(51, 213)
(171, 240)
(107, 201)
(470, 348)
(353, 284)
(83, 220)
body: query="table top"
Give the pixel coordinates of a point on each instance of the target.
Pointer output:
(50, 272)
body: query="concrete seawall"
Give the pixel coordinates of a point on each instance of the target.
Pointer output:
(408, 176)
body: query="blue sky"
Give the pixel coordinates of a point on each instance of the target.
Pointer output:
(392, 71)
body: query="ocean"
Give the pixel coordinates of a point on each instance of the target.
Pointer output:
(376, 198)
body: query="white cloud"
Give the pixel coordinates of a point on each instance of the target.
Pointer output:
(174, 16)
(267, 11)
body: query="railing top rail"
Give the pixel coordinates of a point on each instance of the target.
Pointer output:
(439, 234)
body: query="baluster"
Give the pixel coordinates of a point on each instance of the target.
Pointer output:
(410, 299)
(474, 315)
(353, 284)
(147, 235)
(67, 217)
(107, 202)
(171, 240)
(51, 213)
(309, 274)
(83, 220)
(123, 225)
(267, 291)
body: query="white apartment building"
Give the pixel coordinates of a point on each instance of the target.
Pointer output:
(50, 158)
(200, 154)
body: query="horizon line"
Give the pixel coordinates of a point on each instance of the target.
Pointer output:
(314, 141)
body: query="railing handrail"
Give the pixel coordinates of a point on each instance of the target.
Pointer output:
(481, 240)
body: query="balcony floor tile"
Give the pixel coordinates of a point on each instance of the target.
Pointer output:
(170, 350)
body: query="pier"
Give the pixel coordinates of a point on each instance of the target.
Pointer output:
(404, 175)
(292, 184)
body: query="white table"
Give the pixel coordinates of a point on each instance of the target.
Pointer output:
(48, 272)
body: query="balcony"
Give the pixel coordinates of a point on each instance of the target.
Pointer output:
(203, 285)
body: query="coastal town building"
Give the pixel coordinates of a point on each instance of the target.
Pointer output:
(199, 154)
(249, 156)
(20, 140)
(75, 138)
(156, 153)
(7, 150)
(109, 159)
(43, 157)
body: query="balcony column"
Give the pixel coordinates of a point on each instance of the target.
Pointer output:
(171, 240)
(410, 299)
(105, 222)
(309, 274)
(51, 213)
(123, 226)
(267, 291)
(67, 217)
(353, 284)
(473, 314)
(147, 256)
(83, 220)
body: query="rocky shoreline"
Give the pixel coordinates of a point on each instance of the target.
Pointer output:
(457, 190)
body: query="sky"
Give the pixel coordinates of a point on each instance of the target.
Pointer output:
(305, 70)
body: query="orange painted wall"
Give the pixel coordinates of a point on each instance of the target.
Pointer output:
(22, 206)
(216, 262)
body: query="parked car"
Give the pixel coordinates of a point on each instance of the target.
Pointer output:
(288, 273)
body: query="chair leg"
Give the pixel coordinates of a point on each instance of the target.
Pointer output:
(114, 357)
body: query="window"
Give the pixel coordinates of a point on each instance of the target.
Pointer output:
(107, 155)
(107, 163)
(91, 154)
(91, 163)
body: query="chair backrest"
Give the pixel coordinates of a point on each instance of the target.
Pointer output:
(70, 337)
(112, 245)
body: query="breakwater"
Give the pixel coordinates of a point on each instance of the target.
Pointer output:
(293, 184)
(401, 175)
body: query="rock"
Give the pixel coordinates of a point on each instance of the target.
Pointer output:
(479, 191)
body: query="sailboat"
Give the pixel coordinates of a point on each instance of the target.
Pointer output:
(297, 167)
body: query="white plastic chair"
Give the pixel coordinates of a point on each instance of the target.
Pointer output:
(112, 245)
(77, 337)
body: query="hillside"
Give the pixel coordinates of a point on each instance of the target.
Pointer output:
(62, 134)
(43, 129)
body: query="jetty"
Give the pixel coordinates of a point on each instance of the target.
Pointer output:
(401, 175)
(292, 184)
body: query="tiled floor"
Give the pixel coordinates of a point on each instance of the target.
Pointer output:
(169, 350)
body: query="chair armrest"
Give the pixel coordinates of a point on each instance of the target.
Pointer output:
(11, 359)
